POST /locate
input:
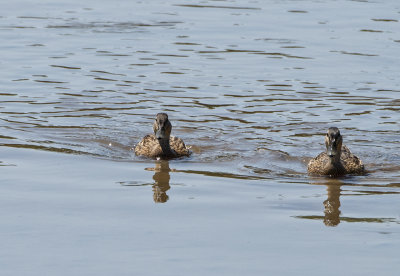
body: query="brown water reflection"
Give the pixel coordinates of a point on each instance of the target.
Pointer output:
(332, 203)
(334, 190)
(161, 181)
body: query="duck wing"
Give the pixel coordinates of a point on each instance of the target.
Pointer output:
(179, 146)
(317, 164)
(351, 163)
(148, 146)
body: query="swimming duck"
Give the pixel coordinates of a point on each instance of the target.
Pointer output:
(161, 144)
(337, 160)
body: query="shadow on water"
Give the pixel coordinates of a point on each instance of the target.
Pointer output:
(2, 164)
(332, 214)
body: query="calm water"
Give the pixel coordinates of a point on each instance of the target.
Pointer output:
(251, 86)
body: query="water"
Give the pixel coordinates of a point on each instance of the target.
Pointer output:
(251, 86)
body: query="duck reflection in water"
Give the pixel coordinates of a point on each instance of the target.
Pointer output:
(332, 203)
(161, 181)
(332, 213)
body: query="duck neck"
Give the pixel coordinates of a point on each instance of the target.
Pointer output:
(335, 160)
(165, 147)
(334, 167)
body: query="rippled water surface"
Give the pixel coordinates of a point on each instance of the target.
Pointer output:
(250, 86)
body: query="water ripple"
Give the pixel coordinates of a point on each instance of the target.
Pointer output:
(253, 92)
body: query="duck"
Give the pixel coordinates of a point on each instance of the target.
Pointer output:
(337, 160)
(161, 145)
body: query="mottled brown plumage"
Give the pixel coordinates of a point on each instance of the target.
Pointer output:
(161, 144)
(337, 160)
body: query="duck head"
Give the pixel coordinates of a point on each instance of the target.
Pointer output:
(162, 127)
(333, 143)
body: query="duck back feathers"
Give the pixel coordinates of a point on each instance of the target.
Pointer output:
(150, 146)
(349, 164)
